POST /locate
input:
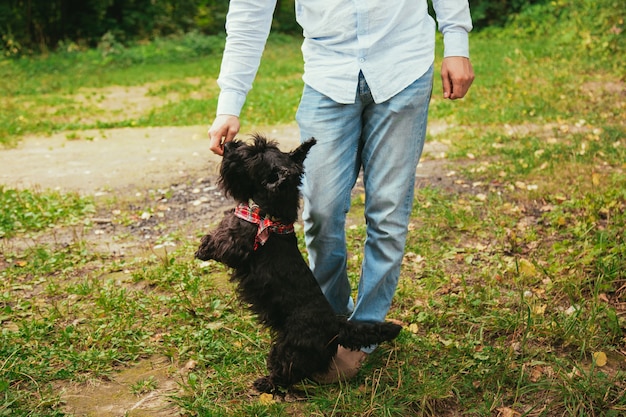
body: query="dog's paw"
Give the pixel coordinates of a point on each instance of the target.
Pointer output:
(205, 250)
(264, 385)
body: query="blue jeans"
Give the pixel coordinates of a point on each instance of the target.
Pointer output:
(386, 141)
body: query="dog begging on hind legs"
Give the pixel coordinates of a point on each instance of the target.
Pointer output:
(257, 241)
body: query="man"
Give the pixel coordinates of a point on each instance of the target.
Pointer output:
(368, 81)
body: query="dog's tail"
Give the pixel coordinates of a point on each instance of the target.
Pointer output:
(356, 335)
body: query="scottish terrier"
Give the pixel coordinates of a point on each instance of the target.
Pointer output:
(258, 242)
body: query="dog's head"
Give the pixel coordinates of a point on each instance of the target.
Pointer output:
(261, 172)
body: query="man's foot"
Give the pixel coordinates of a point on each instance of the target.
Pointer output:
(344, 366)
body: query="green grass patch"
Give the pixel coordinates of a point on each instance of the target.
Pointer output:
(28, 211)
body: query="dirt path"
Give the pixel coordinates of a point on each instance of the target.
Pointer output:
(99, 161)
(126, 163)
(93, 162)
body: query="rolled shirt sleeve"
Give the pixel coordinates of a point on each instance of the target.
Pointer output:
(248, 26)
(455, 22)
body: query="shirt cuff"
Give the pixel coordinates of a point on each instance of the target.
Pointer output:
(230, 102)
(456, 44)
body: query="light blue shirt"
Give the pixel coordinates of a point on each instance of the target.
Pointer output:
(391, 42)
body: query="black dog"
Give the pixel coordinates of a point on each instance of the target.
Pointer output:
(258, 242)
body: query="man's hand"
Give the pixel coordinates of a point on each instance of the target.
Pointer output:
(224, 129)
(457, 76)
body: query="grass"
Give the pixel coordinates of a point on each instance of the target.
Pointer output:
(56, 93)
(512, 292)
(27, 211)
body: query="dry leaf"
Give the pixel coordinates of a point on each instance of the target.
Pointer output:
(536, 373)
(266, 399)
(507, 412)
(191, 364)
(413, 328)
(527, 268)
(600, 358)
(595, 179)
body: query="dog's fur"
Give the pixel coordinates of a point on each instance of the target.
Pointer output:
(274, 278)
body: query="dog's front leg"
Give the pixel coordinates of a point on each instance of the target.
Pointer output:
(231, 243)
(206, 250)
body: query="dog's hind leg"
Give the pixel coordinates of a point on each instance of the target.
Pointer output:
(276, 378)
(288, 365)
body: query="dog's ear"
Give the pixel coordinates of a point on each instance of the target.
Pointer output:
(298, 154)
(234, 177)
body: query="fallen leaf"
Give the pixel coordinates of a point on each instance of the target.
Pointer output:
(413, 328)
(595, 179)
(539, 309)
(266, 399)
(527, 268)
(191, 364)
(507, 412)
(536, 373)
(600, 358)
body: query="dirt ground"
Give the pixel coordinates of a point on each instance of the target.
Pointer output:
(94, 162)
(168, 168)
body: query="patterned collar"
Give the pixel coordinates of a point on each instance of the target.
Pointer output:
(252, 213)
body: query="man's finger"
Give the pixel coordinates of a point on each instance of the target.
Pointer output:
(447, 85)
(216, 144)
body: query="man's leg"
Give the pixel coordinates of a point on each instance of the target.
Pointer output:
(389, 163)
(331, 170)
(393, 134)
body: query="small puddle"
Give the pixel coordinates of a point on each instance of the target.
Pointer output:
(141, 390)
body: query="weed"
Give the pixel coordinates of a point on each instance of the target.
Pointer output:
(144, 386)
(25, 210)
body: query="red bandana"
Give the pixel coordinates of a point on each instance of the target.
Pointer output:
(252, 214)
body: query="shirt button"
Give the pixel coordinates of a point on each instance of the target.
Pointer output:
(361, 59)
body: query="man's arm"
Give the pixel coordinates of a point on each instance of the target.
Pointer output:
(455, 22)
(247, 27)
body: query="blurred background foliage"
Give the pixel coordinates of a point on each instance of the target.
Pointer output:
(35, 26)
(30, 27)
(42, 25)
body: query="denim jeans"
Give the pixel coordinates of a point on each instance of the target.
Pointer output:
(386, 141)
